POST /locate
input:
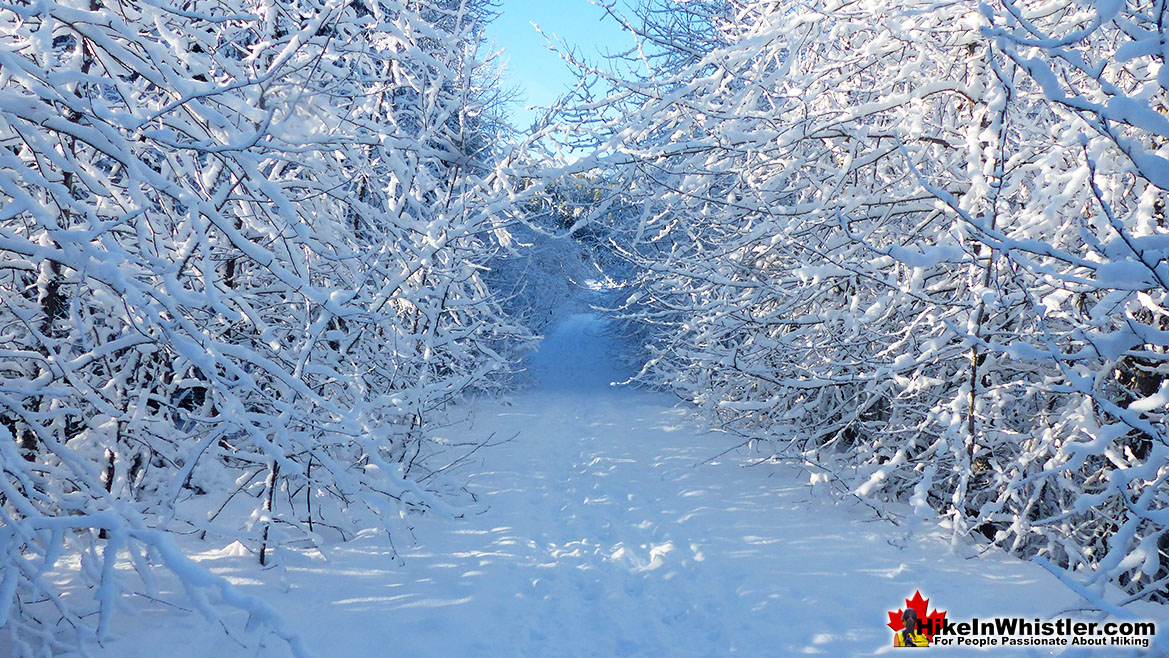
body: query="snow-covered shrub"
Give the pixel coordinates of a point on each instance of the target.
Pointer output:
(1091, 242)
(241, 247)
(920, 246)
(545, 262)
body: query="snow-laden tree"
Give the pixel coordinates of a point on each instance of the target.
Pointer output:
(920, 247)
(241, 247)
(546, 263)
(1089, 251)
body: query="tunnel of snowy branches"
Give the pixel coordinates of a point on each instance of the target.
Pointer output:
(789, 310)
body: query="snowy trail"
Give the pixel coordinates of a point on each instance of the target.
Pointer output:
(606, 535)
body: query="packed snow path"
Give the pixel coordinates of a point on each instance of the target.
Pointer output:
(609, 533)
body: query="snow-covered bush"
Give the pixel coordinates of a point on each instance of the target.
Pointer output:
(920, 246)
(241, 247)
(546, 262)
(1091, 245)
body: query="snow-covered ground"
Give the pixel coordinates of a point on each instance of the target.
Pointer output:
(607, 532)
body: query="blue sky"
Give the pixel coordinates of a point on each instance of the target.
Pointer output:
(540, 73)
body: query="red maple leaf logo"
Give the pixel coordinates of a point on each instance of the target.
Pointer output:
(930, 623)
